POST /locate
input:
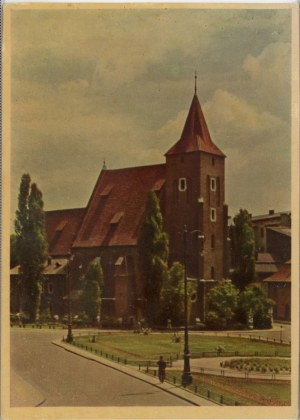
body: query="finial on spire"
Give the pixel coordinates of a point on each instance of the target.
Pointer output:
(195, 82)
(104, 165)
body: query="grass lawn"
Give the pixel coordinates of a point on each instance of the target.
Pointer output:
(246, 392)
(136, 347)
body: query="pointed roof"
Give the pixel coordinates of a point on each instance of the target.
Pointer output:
(195, 136)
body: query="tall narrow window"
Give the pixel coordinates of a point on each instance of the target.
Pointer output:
(213, 214)
(213, 184)
(182, 184)
(212, 272)
(213, 162)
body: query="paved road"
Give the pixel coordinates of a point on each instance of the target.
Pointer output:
(53, 377)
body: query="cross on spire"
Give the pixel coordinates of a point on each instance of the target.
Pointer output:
(195, 82)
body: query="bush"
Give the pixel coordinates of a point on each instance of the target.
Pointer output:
(214, 322)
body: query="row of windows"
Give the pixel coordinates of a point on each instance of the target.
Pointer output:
(182, 184)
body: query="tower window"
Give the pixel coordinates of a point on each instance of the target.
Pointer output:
(213, 214)
(213, 184)
(182, 184)
(213, 161)
(212, 272)
(213, 239)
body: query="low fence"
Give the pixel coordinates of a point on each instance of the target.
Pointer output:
(150, 368)
(242, 373)
(255, 337)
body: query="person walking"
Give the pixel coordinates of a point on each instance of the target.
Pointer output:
(161, 369)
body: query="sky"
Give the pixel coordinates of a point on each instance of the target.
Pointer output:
(116, 84)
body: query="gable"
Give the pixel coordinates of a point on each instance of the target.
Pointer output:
(117, 205)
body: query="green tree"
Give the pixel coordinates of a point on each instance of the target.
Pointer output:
(222, 303)
(31, 245)
(172, 295)
(243, 250)
(92, 290)
(254, 302)
(14, 260)
(153, 252)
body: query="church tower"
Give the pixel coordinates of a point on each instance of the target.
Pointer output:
(195, 198)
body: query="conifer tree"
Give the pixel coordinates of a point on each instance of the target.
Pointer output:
(153, 250)
(92, 290)
(31, 245)
(243, 250)
(172, 295)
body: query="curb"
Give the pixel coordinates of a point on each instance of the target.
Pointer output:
(25, 394)
(171, 389)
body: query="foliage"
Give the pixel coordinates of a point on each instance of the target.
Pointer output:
(254, 301)
(92, 290)
(153, 251)
(31, 245)
(222, 303)
(172, 295)
(243, 249)
(14, 260)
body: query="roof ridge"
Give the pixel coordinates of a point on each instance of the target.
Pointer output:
(135, 167)
(64, 210)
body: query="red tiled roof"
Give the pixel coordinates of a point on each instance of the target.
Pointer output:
(283, 274)
(113, 218)
(283, 230)
(61, 228)
(195, 136)
(266, 258)
(54, 267)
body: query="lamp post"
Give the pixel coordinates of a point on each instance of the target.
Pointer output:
(72, 265)
(186, 378)
(70, 333)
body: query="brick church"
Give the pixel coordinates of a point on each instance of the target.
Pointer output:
(190, 188)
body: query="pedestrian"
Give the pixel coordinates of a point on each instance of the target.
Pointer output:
(161, 369)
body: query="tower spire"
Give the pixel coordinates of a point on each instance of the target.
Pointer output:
(195, 82)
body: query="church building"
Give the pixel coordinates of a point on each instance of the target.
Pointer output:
(190, 186)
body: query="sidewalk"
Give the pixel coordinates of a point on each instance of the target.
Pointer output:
(23, 393)
(132, 371)
(211, 366)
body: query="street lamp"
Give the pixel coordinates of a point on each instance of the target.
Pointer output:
(70, 333)
(186, 378)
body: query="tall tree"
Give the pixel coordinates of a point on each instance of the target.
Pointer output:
(14, 260)
(254, 301)
(153, 250)
(31, 245)
(92, 290)
(243, 250)
(172, 295)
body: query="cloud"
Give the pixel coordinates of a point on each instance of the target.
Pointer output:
(89, 84)
(270, 77)
(237, 123)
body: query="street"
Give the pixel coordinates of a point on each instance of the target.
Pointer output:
(46, 375)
